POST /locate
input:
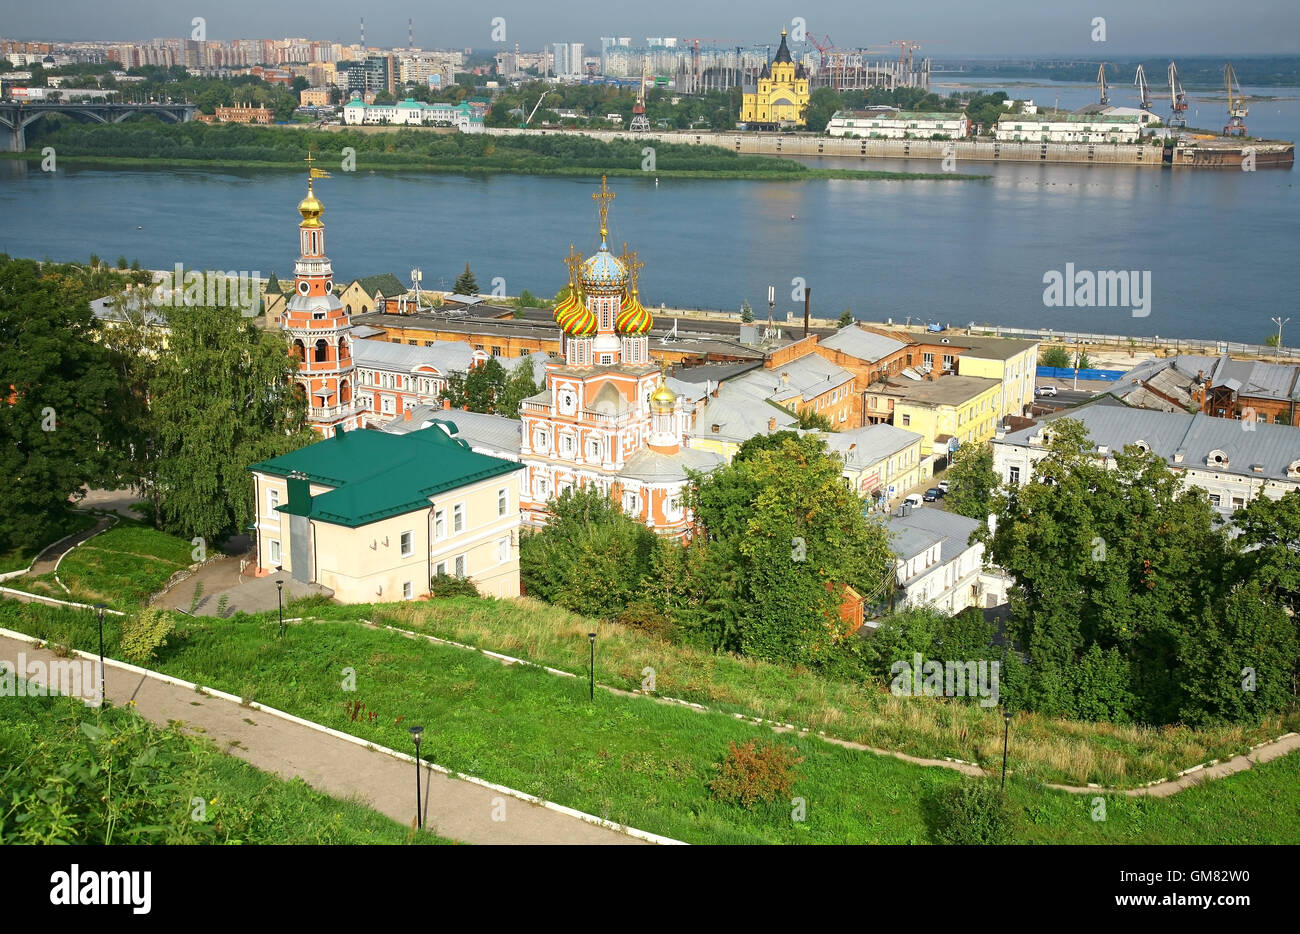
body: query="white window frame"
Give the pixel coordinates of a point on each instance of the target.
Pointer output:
(503, 501)
(407, 542)
(439, 524)
(408, 591)
(503, 550)
(272, 503)
(457, 518)
(459, 564)
(275, 552)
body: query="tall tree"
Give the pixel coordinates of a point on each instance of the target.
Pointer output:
(465, 283)
(57, 399)
(519, 385)
(224, 399)
(1270, 544)
(971, 481)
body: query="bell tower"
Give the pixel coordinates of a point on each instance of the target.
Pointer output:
(318, 327)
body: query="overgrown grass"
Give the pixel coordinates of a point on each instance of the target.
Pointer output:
(122, 567)
(1045, 749)
(70, 521)
(636, 761)
(54, 786)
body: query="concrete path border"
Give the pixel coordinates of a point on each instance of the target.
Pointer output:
(599, 829)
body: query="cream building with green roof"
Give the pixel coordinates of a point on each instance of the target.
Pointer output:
(373, 516)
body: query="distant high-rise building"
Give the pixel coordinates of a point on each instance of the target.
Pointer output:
(560, 50)
(575, 59)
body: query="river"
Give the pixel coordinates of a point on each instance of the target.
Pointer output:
(1220, 246)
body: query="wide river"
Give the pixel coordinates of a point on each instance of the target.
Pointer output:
(1220, 246)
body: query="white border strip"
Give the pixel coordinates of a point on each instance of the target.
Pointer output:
(358, 741)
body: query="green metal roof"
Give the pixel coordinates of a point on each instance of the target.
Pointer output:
(386, 282)
(376, 475)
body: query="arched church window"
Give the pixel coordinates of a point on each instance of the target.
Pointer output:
(322, 351)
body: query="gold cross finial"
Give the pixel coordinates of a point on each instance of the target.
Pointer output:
(573, 261)
(604, 197)
(633, 265)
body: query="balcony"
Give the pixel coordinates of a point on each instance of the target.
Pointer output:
(325, 413)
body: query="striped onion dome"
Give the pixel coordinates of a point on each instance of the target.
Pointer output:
(583, 322)
(565, 311)
(633, 319)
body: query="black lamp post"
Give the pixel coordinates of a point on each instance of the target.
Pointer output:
(416, 732)
(1006, 733)
(591, 667)
(100, 608)
(279, 595)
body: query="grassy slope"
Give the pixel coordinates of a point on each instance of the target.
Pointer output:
(71, 521)
(122, 567)
(639, 762)
(245, 805)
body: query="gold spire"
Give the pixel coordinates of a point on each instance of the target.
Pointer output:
(633, 266)
(663, 397)
(574, 262)
(310, 207)
(604, 196)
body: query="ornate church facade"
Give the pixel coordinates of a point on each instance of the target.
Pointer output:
(607, 416)
(780, 97)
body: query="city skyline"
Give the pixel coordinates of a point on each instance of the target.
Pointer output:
(1202, 27)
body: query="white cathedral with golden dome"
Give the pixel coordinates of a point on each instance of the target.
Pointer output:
(607, 416)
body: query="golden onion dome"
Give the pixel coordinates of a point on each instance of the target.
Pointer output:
(633, 319)
(566, 309)
(310, 208)
(583, 322)
(663, 397)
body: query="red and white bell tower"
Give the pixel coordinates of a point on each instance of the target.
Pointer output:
(318, 326)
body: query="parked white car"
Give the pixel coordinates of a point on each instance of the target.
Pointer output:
(1045, 391)
(915, 500)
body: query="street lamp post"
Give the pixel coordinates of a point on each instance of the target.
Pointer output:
(100, 608)
(416, 732)
(279, 595)
(1006, 733)
(1279, 322)
(591, 666)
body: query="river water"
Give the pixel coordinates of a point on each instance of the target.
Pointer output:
(1220, 246)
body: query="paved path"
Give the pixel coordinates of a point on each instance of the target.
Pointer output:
(454, 808)
(48, 559)
(243, 592)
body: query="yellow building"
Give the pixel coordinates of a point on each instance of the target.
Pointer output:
(1012, 362)
(881, 462)
(781, 96)
(374, 516)
(949, 411)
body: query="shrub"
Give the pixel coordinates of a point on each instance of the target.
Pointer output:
(971, 813)
(645, 617)
(144, 633)
(754, 772)
(448, 585)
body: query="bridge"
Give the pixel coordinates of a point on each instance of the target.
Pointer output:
(16, 115)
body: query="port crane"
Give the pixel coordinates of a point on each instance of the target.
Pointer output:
(1101, 82)
(1144, 90)
(1177, 98)
(1237, 110)
(640, 123)
(535, 106)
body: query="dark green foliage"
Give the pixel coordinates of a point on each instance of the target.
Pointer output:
(591, 558)
(59, 404)
(971, 481)
(846, 319)
(448, 585)
(973, 812)
(465, 283)
(1056, 356)
(488, 388)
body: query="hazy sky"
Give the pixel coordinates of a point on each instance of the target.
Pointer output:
(951, 27)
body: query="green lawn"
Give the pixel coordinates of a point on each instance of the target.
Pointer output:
(122, 567)
(71, 521)
(633, 760)
(59, 756)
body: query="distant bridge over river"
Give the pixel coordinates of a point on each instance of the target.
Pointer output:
(16, 115)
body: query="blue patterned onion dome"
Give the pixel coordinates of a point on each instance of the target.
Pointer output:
(604, 273)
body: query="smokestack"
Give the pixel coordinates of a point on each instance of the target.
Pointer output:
(807, 304)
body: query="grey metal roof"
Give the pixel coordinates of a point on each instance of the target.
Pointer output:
(864, 345)
(739, 417)
(807, 376)
(443, 356)
(653, 466)
(946, 390)
(489, 434)
(1275, 447)
(861, 447)
(952, 530)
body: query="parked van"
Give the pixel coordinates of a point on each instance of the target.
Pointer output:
(915, 500)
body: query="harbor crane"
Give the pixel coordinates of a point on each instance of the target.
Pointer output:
(1144, 90)
(1101, 82)
(640, 123)
(1237, 110)
(1177, 98)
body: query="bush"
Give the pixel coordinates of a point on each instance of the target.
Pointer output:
(448, 585)
(973, 812)
(144, 633)
(754, 772)
(648, 619)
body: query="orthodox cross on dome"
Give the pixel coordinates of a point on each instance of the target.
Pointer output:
(574, 262)
(633, 266)
(604, 196)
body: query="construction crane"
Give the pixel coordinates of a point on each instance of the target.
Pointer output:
(1177, 98)
(1237, 110)
(823, 46)
(535, 106)
(640, 123)
(1144, 90)
(1101, 83)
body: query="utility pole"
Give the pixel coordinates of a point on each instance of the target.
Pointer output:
(1279, 322)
